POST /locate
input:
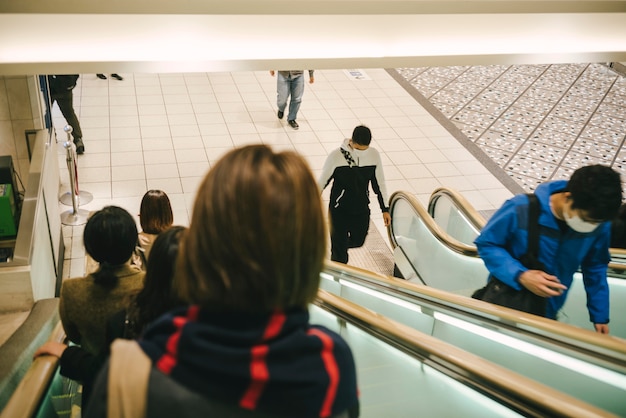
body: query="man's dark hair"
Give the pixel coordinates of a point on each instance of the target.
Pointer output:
(596, 189)
(362, 135)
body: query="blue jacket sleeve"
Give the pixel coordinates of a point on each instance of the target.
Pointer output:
(501, 243)
(594, 270)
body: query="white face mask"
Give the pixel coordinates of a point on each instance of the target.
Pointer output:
(356, 153)
(578, 224)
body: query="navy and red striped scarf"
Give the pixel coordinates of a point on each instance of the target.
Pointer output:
(275, 363)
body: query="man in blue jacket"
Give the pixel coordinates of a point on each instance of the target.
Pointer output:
(575, 231)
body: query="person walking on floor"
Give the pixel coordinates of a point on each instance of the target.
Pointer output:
(352, 167)
(290, 83)
(61, 91)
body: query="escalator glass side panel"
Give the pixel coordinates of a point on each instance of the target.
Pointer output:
(595, 385)
(395, 384)
(435, 263)
(554, 364)
(574, 310)
(61, 399)
(452, 219)
(420, 253)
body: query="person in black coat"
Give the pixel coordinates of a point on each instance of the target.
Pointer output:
(61, 91)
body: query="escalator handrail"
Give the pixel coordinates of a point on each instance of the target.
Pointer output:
(478, 221)
(429, 222)
(29, 393)
(554, 329)
(531, 392)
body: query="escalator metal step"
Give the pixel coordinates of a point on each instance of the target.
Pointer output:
(375, 255)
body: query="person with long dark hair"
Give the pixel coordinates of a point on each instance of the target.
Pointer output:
(155, 216)
(87, 303)
(248, 268)
(143, 306)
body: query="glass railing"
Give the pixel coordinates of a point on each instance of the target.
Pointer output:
(455, 215)
(460, 220)
(402, 372)
(581, 363)
(36, 392)
(399, 371)
(425, 253)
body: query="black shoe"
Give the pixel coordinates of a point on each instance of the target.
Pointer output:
(80, 147)
(293, 124)
(101, 76)
(117, 77)
(281, 114)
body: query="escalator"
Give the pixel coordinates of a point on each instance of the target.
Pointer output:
(402, 372)
(425, 240)
(585, 365)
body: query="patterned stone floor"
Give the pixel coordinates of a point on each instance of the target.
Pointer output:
(532, 123)
(536, 122)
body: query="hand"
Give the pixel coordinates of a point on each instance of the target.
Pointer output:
(602, 328)
(272, 72)
(541, 283)
(386, 218)
(51, 348)
(311, 80)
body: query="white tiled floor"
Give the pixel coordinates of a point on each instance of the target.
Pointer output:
(165, 130)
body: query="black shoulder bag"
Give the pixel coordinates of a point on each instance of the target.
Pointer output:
(500, 293)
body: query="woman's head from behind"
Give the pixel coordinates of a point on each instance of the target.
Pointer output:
(155, 212)
(157, 297)
(110, 237)
(257, 236)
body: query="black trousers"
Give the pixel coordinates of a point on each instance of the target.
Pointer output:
(66, 104)
(348, 230)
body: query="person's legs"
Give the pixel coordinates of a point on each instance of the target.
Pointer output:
(359, 225)
(282, 88)
(338, 237)
(66, 104)
(297, 90)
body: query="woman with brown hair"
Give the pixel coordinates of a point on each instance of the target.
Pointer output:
(249, 266)
(155, 216)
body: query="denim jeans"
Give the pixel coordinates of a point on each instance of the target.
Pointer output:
(290, 86)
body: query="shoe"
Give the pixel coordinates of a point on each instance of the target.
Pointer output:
(101, 76)
(80, 147)
(293, 124)
(281, 114)
(117, 77)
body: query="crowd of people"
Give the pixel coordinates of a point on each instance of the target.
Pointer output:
(220, 316)
(215, 315)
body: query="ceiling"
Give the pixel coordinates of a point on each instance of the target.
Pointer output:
(89, 36)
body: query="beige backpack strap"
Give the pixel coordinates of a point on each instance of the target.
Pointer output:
(129, 369)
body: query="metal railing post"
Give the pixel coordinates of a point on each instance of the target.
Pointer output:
(76, 196)
(75, 216)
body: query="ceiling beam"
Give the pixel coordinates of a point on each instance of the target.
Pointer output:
(38, 42)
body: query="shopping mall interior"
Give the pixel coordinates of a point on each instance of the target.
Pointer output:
(469, 104)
